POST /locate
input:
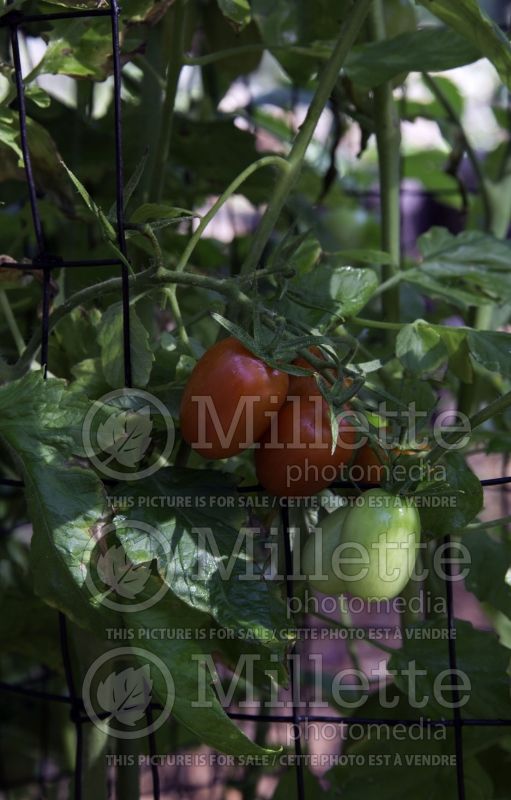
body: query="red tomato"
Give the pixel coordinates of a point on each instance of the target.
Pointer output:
(295, 458)
(370, 464)
(228, 400)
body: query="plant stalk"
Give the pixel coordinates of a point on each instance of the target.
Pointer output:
(288, 178)
(175, 26)
(11, 322)
(128, 773)
(388, 143)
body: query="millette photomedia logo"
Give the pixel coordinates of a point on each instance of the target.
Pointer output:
(128, 434)
(118, 693)
(117, 566)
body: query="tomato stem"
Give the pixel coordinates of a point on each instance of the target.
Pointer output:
(11, 322)
(350, 29)
(375, 323)
(267, 161)
(175, 25)
(493, 523)
(388, 143)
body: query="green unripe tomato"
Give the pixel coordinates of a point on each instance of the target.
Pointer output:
(381, 540)
(320, 554)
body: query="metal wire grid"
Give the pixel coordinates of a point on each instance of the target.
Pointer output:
(47, 261)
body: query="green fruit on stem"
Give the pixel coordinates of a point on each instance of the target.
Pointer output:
(368, 550)
(381, 536)
(319, 557)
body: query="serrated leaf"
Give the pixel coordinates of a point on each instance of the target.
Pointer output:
(328, 290)
(420, 348)
(41, 423)
(184, 660)
(465, 489)
(209, 550)
(471, 268)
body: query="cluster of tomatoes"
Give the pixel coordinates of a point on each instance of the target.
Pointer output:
(234, 400)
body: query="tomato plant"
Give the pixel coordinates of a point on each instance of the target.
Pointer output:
(249, 221)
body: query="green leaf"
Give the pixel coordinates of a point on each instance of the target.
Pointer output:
(465, 493)
(38, 95)
(184, 660)
(99, 214)
(28, 627)
(328, 290)
(9, 132)
(130, 186)
(420, 348)
(490, 561)
(78, 49)
(363, 256)
(238, 11)
(205, 570)
(424, 50)
(428, 167)
(492, 350)
(150, 212)
(479, 656)
(470, 21)
(198, 175)
(455, 340)
(110, 338)
(40, 421)
(472, 267)
(50, 178)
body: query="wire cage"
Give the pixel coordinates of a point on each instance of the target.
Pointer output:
(46, 262)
